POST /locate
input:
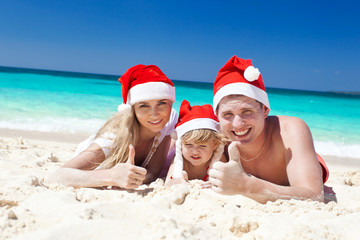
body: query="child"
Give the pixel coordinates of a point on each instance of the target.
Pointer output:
(198, 142)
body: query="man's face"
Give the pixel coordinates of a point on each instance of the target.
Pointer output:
(241, 118)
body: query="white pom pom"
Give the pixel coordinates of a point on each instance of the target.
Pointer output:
(124, 108)
(251, 74)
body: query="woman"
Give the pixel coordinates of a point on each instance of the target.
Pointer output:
(132, 146)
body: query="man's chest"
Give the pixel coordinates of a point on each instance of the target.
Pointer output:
(271, 166)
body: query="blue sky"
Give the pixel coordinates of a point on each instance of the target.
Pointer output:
(308, 45)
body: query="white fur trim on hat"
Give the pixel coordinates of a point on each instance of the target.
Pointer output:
(240, 88)
(197, 123)
(124, 108)
(251, 73)
(149, 91)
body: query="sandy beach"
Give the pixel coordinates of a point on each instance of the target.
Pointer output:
(30, 208)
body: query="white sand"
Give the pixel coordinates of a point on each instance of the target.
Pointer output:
(32, 209)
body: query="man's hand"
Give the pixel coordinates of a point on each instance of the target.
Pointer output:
(229, 178)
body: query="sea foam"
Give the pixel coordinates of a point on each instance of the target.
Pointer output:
(56, 125)
(337, 149)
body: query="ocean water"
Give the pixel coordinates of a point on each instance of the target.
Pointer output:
(76, 103)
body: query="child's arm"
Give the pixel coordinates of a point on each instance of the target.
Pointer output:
(207, 184)
(169, 181)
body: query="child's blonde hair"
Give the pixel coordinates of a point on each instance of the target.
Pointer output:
(203, 135)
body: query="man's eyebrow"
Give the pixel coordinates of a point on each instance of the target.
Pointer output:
(227, 111)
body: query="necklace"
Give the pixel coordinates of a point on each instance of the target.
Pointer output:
(256, 156)
(154, 146)
(261, 151)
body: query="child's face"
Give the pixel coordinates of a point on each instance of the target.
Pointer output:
(198, 153)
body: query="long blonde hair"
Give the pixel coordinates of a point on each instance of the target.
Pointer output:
(125, 127)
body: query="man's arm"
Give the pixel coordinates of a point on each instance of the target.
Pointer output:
(303, 168)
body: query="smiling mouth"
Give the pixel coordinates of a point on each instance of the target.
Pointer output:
(195, 158)
(155, 122)
(241, 133)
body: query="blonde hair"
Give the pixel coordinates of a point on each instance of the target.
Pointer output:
(125, 127)
(203, 135)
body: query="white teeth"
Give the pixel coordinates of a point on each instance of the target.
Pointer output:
(241, 133)
(155, 122)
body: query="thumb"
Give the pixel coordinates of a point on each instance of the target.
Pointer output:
(131, 158)
(234, 154)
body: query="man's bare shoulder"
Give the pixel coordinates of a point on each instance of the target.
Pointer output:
(292, 130)
(290, 124)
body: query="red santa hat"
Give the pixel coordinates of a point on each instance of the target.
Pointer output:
(239, 77)
(195, 117)
(192, 118)
(143, 83)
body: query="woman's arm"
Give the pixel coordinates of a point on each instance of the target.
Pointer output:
(80, 171)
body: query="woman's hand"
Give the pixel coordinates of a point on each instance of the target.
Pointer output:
(127, 175)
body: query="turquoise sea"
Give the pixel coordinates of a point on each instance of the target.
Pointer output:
(78, 103)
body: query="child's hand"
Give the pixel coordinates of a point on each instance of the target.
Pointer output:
(127, 175)
(206, 184)
(172, 181)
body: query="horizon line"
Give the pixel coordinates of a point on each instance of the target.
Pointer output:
(115, 77)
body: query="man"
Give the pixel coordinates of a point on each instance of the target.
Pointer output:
(270, 157)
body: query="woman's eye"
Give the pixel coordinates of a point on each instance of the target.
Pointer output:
(143, 106)
(163, 103)
(203, 146)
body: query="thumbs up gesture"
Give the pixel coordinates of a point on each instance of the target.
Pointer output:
(234, 154)
(127, 175)
(131, 158)
(228, 178)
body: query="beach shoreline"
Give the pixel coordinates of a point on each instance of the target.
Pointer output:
(31, 208)
(43, 136)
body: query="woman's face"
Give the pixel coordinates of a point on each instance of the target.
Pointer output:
(153, 114)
